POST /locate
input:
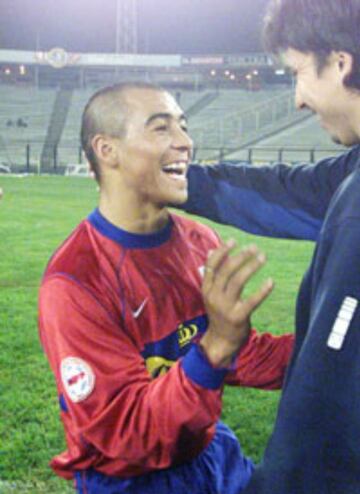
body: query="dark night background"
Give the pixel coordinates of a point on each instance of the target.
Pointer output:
(164, 26)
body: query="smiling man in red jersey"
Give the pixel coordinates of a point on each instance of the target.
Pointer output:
(139, 361)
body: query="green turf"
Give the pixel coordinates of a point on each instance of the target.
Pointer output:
(36, 214)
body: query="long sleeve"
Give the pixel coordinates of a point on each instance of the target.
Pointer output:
(262, 363)
(109, 401)
(273, 200)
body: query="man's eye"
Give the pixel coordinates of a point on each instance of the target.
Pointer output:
(161, 128)
(184, 128)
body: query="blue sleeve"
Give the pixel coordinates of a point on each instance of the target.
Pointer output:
(197, 368)
(273, 200)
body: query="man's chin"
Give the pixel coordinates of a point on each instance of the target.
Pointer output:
(179, 201)
(354, 140)
(345, 137)
(337, 140)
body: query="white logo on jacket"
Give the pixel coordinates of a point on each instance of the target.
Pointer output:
(77, 377)
(342, 322)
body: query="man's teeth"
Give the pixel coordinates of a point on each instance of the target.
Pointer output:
(178, 168)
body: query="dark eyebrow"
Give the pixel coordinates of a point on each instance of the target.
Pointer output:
(166, 116)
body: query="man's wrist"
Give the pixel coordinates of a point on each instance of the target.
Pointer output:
(219, 352)
(198, 369)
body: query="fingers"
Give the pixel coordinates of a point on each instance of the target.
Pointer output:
(253, 301)
(225, 276)
(218, 256)
(215, 259)
(223, 272)
(242, 271)
(228, 312)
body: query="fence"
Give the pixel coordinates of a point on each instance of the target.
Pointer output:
(25, 157)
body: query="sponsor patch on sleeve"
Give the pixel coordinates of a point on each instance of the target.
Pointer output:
(77, 377)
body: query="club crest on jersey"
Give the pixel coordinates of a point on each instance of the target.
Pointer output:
(78, 378)
(186, 333)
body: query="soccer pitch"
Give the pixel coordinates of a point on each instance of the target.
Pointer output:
(36, 214)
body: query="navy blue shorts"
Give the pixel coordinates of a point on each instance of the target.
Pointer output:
(220, 469)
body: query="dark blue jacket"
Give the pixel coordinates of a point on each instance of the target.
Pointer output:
(315, 445)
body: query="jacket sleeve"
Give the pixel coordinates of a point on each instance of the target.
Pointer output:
(121, 411)
(274, 200)
(262, 363)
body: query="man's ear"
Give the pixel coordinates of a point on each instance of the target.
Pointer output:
(105, 150)
(345, 63)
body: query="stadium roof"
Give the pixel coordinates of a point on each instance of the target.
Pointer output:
(177, 26)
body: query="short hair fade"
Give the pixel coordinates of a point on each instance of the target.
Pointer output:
(99, 117)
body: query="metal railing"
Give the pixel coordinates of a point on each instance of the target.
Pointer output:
(25, 157)
(241, 128)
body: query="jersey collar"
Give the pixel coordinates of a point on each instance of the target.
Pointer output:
(127, 239)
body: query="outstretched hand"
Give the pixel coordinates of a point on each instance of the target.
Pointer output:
(228, 311)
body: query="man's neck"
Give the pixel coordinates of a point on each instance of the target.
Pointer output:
(134, 219)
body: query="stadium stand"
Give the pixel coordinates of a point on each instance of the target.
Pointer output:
(232, 100)
(24, 118)
(69, 144)
(256, 121)
(247, 118)
(305, 141)
(56, 125)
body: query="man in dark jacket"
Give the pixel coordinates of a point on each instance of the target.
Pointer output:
(314, 448)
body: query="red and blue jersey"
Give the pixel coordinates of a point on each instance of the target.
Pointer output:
(120, 314)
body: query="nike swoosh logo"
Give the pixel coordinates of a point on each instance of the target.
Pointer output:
(136, 313)
(201, 270)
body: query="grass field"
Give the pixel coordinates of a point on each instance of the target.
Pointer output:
(36, 214)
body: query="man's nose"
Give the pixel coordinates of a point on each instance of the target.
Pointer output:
(299, 100)
(182, 140)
